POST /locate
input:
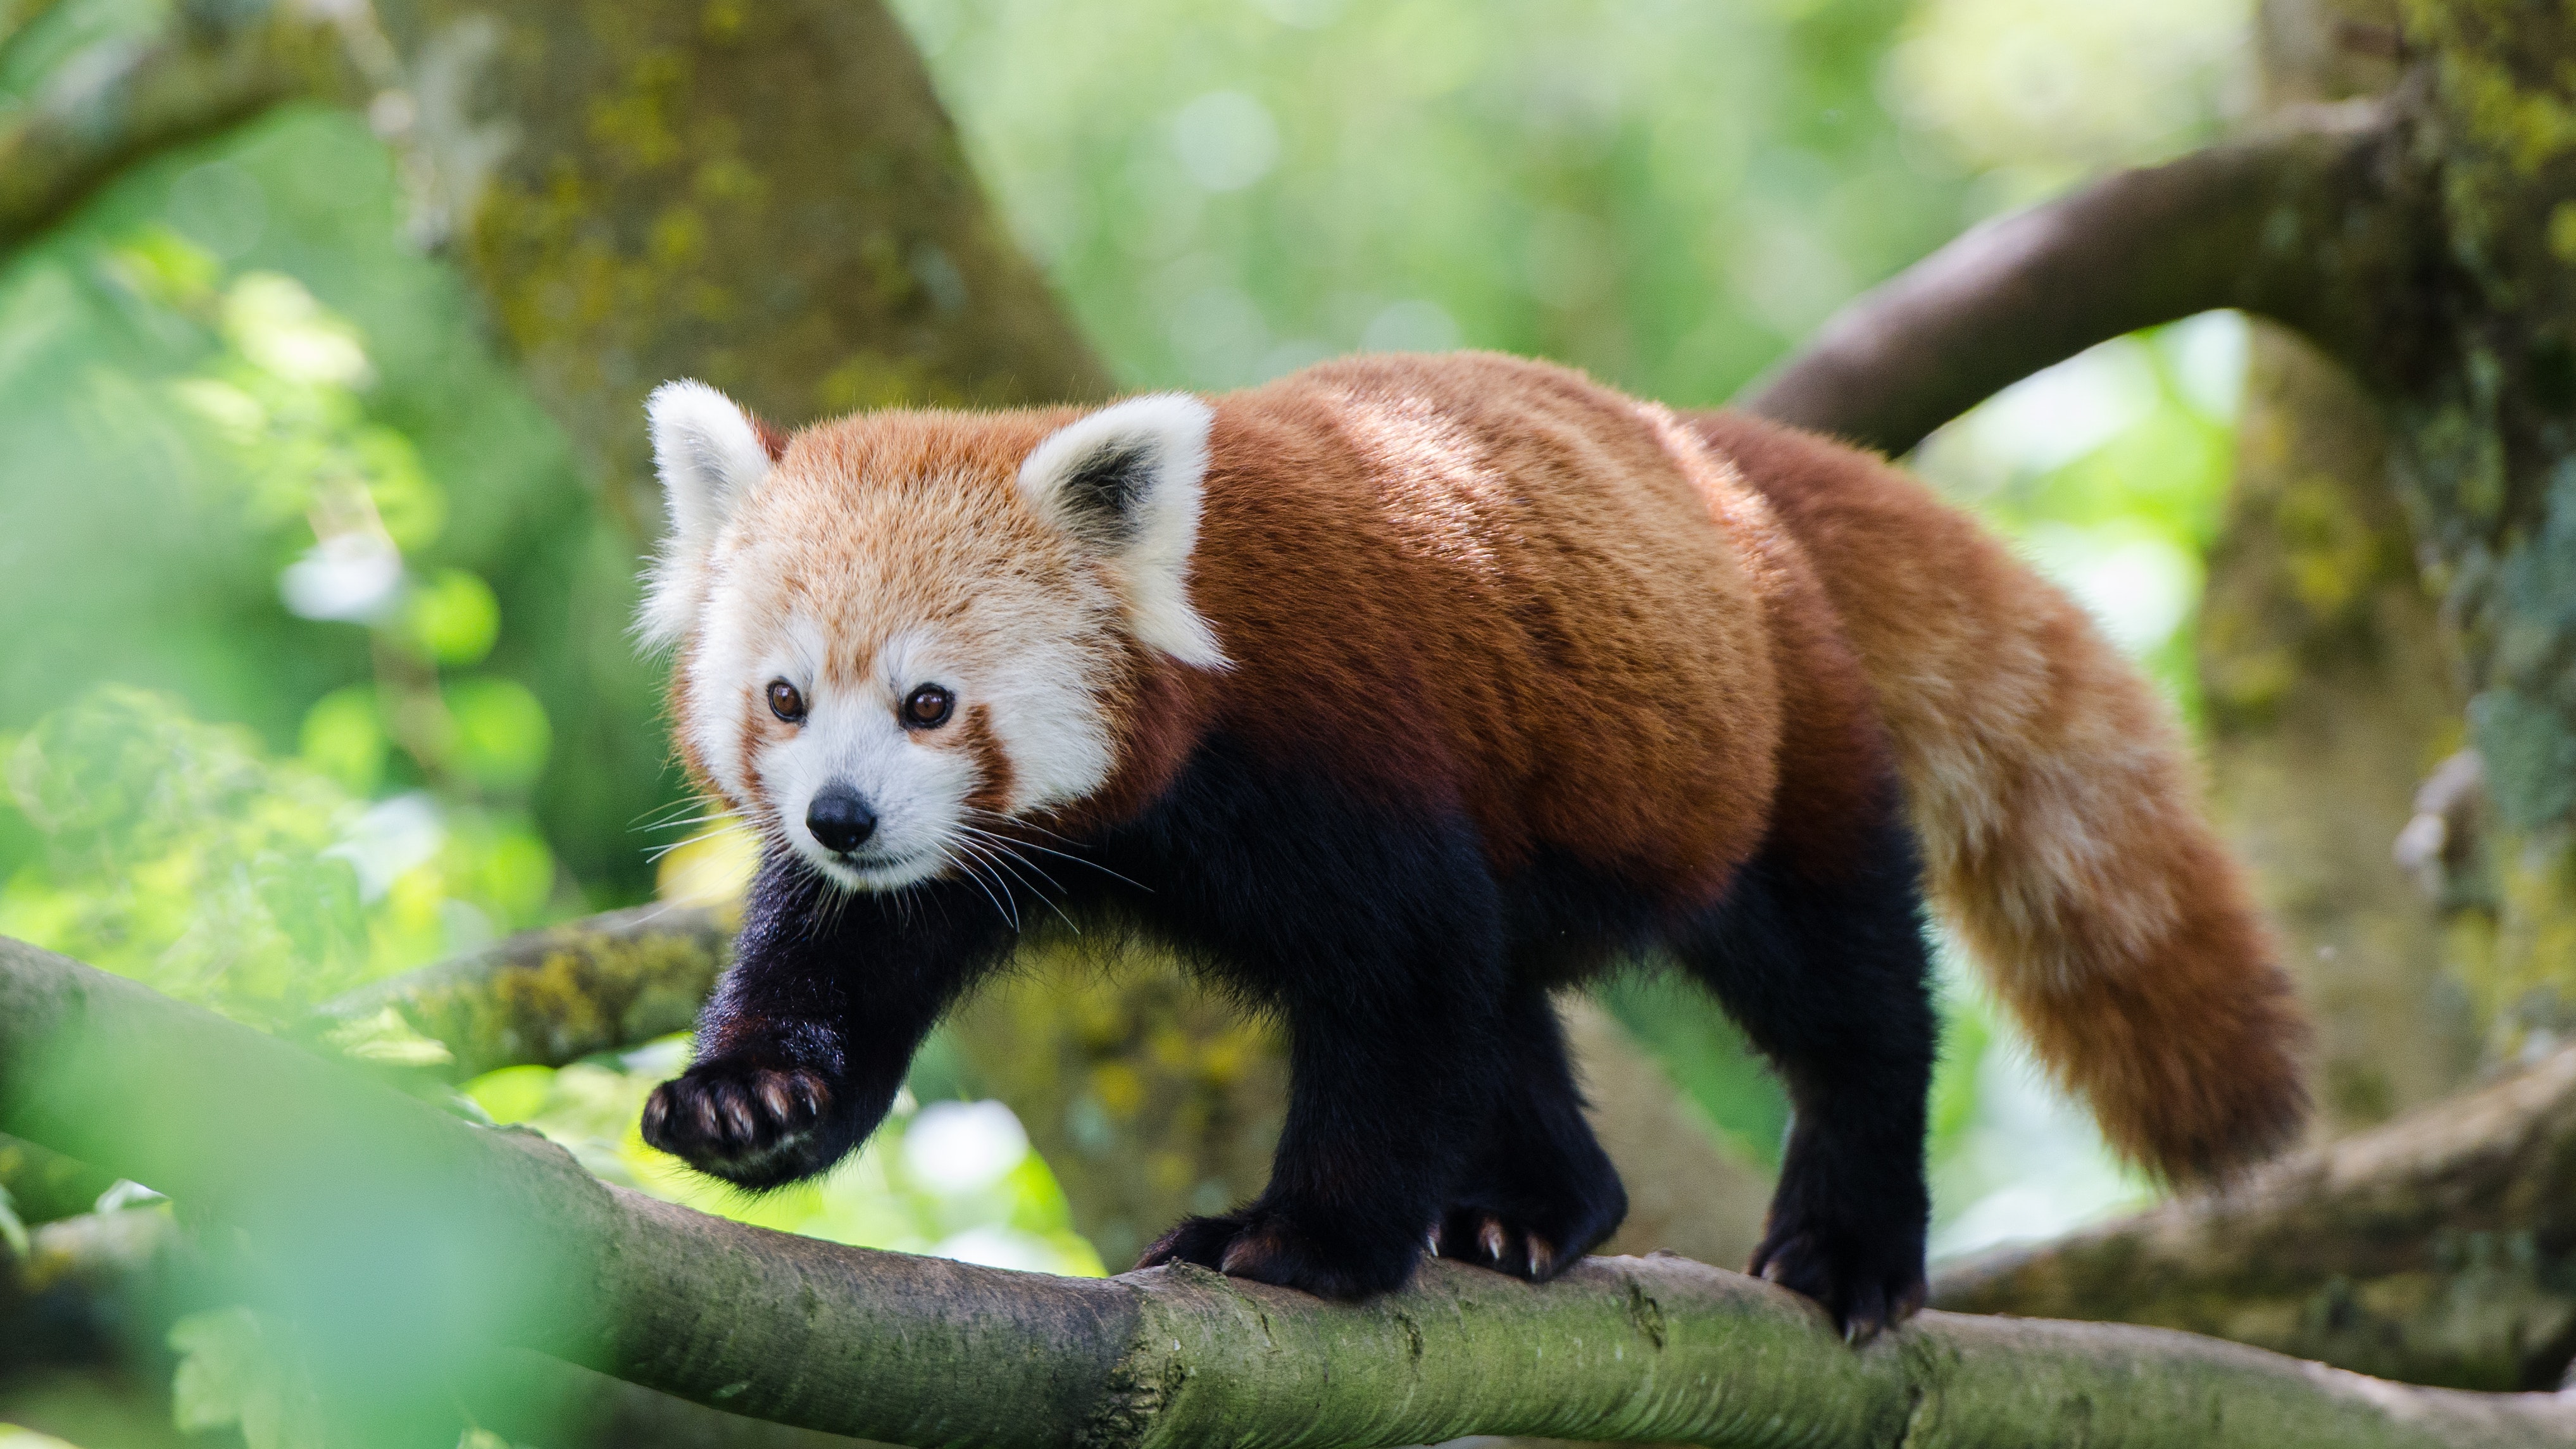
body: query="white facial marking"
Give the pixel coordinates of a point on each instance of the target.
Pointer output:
(1127, 481)
(853, 738)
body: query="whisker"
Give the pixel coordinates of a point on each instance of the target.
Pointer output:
(685, 802)
(1004, 859)
(1006, 846)
(1001, 818)
(971, 874)
(681, 823)
(1063, 855)
(657, 852)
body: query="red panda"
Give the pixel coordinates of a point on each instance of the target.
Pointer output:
(1398, 694)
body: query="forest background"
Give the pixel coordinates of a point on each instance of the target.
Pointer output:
(316, 665)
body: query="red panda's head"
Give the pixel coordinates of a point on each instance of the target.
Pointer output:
(908, 626)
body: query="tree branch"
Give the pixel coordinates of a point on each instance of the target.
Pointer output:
(559, 993)
(2440, 1248)
(119, 104)
(2299, 225)
(481, 1235)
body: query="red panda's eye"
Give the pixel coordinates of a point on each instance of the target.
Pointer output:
(785, 702)
(927, 708)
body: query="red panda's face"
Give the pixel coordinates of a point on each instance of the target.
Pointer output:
(906, 630)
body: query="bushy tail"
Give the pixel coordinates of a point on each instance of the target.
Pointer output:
(2058, 813)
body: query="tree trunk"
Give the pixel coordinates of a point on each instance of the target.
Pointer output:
(766, 197)
(2330, 692)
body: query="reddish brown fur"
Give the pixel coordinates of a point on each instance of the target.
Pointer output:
(2057, 810)
(1507, 579)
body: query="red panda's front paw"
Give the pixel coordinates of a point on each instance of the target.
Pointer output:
(1268, 1245)
(752, 1126)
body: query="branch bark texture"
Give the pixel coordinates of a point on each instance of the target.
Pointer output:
(2440, 1248)
(517, 1243)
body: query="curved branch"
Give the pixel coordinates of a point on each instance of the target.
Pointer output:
(116, 106)
(481, 1234)
(2296, 226)
(559, 993)
(2440, 1247)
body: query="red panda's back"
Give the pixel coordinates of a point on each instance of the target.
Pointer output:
(1479, 581)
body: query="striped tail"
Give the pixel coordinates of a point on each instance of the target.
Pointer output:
(2058, 813)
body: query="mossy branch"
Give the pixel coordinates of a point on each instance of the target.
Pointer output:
(2440, 1248)
(560, 993)
(456, 1237)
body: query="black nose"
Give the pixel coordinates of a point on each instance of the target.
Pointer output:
(840, 819)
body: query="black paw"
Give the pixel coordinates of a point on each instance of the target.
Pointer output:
(1268, 1245)
(1866, 1281)
(1535, 1244)
(752, 1126)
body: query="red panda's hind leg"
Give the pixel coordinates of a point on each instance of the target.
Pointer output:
(1391, 1064)
(1824, 964)
(1539, 1192)
(1376, 933)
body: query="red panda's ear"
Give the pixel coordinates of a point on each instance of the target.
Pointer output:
(709, 452)
(1125, 483)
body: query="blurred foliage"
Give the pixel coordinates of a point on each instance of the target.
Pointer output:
(1666, 193)
(2036, 96)
(264, 465)
(244, 1370)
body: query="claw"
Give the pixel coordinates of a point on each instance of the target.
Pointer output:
(773, 1095)
(1490, 1238)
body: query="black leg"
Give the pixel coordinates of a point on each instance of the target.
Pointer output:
(1538, 1192)
(1377, 1132)
(805, 1042)
(1831, 978)
(1376, 933)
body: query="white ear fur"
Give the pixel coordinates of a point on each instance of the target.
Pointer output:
(709, 456)
(1127, 480)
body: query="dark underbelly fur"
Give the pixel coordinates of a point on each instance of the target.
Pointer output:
(1433, 1107)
